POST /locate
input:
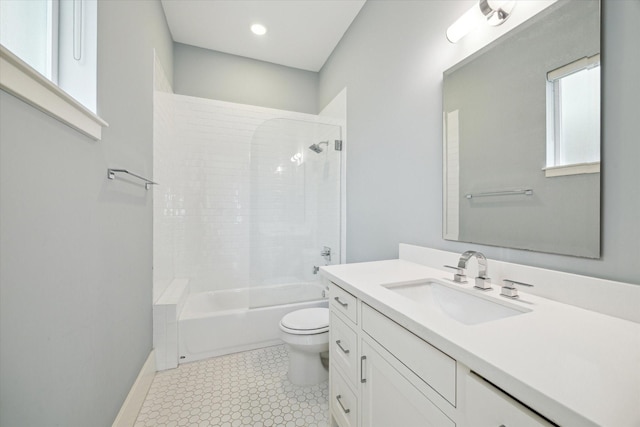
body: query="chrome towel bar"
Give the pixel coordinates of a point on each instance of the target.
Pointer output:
(111, 174)
(527, 192)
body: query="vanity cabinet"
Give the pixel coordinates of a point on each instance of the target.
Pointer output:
(381, 374)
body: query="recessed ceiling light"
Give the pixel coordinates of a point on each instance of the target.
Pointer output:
(258, 29)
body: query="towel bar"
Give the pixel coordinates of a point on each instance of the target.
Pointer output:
(111, 174)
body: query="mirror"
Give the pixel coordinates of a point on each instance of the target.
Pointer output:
(507, 120)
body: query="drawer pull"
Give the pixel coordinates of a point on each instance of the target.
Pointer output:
(344, 350)
(344, 304)
(362, 379)
(345, 410)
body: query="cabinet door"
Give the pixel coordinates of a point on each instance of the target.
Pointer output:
(489, 407)
(389, 399)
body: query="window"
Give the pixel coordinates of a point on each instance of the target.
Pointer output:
(27, 29)
(573, 118)
(49, 58)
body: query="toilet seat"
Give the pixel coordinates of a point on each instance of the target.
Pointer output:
(307, 321)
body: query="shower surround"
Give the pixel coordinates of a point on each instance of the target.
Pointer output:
(243, 204)
(243, 201)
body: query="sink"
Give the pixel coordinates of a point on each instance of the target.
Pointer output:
(463, 305)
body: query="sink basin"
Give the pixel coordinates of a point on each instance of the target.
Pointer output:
(463, 305)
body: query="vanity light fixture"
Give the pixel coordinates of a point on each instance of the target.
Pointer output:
(493, 12)
(259, 29)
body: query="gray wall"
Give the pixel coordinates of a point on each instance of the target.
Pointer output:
(394, 175)
(216, 75)
(75, 248)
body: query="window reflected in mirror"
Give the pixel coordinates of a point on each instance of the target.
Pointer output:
(573, 117)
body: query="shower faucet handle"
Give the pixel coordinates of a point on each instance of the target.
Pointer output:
(326, 253)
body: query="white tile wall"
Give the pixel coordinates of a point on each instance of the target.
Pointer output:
(163, 263)
(163, 271)
(232, 209)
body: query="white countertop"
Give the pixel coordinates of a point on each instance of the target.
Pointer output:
(574, 366)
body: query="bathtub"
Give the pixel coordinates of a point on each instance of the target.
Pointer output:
(219, 322)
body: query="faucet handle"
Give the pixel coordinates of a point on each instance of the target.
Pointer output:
(459, 276)
(509, 290)
(483, 283)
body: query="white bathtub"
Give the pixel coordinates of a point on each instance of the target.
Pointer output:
(216, 323)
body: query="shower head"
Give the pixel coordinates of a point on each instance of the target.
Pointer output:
(316, 147)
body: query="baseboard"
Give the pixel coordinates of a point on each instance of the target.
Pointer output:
(132, 404)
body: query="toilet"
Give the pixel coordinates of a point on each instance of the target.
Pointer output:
(306, 332)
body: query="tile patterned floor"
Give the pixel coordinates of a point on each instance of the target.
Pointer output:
(242, 389)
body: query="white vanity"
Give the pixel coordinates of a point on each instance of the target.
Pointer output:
(403, 353)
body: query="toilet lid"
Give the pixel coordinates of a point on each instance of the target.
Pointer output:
(308, 319)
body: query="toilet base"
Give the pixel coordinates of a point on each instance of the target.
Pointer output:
(305, 368)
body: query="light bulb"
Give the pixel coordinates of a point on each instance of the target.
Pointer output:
(259, 29)
(463, 25)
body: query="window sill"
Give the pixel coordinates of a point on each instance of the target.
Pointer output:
(575, 169)
(21, 80)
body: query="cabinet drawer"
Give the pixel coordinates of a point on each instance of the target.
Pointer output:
(343, 302)
(433, 367)
(488, 406)
(343, 347)
(343, 401)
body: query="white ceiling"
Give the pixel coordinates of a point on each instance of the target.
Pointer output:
(300, 33)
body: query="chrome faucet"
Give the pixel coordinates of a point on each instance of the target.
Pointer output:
(482, 281)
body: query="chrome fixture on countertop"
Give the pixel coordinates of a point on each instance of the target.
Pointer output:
(510, 291)
(458, 276)
(483, 282)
